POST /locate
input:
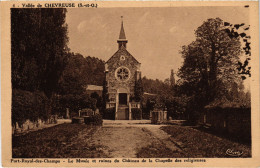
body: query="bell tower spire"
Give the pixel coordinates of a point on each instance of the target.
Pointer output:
(122, 38)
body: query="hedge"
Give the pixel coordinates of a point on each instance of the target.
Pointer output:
(29, 105)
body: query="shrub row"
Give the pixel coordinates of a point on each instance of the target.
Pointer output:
(29, 105)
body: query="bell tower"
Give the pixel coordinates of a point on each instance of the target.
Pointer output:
(122, 38)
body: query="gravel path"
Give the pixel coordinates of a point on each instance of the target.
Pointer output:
(123, 139)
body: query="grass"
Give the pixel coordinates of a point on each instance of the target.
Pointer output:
(193, 143)
(196, 143)
(158, 150)
(74, 141)
(61, 141)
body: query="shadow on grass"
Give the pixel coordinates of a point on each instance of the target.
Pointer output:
(217, 132)
(224, 134)
(61, 141)
(197, 143)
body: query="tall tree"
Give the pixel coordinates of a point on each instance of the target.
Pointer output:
(79, 72)
(138, 90)
(38, 48)
(244, 67)
(210, 61)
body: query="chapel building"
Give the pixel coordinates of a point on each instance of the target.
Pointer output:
(122, 71)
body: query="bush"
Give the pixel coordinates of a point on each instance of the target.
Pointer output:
(136, 113)
(177, 107)
(29, 105)
(93, 120)
(109, 113)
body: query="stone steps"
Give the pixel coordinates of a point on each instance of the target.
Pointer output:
(122, 110)
(122, 107)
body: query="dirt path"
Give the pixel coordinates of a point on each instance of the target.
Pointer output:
(120, 141)
(163, 137)
(123, 139)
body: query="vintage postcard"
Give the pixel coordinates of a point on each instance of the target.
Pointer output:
(130, 84)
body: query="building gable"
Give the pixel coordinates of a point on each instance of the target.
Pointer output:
(122, 52)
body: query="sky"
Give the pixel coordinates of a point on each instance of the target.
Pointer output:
(155, 35)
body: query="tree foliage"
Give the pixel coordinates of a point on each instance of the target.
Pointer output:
(78, 73)
(138, 90)
(38, 57)
(28, 105)
(105, 96)
(209, 75)
(209, 62)
(38, 48)
(163, 94)
(155, 86)
(233, 32)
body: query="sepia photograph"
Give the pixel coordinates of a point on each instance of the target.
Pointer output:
(131, 82)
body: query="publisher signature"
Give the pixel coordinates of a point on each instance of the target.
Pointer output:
(232, 152)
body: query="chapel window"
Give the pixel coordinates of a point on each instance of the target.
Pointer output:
(122, 74)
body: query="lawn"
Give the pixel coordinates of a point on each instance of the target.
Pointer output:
(158, 150)
(194, 143)
(61, 141)
(76, 141)
(197, 143)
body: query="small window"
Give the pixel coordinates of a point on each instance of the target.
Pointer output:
(122, 58)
